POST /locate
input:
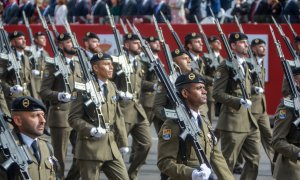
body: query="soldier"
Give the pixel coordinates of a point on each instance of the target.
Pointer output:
(9, 83)
(40, 58)
(135, 117)
(216, 47)
(29, 121)
(177, 158)
(286, 140)
(92, 44)
(237, 127)
(54, 89)
(182, 61)
(91, 135)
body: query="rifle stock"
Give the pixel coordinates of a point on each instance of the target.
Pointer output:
(14, 154)
(189, 128)
(294, 101)
(59, 61)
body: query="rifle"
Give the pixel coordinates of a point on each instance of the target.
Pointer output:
(53, 26)
(291, 27)
(167, 52)
(122, 58)
(14, 154)
(13, 63)
(256, 69)
(95, 99)
(232, 61)
(123, 26)
(186, 121)
(294, 101)
(287, 42)
(31, 48)
(59, 61)
(214, 63)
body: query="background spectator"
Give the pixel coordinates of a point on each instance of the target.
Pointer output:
(81, 11)
(258, 11)
(274, 9)
(241, 10)
(290, 10)
(60, 12)
(177, 11)
(162, 6)
(11, 13)
(192, 7)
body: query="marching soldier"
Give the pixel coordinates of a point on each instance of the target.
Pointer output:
(286, 140)
(54, 89)
(177, 158)
(216, 47)
(135, 117)
(237, 127)
(27, 87)
(96, 147)
(40, 59)
(92, 44)
(29, 121)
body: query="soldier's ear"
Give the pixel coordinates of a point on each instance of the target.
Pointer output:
(17, 120)
(184, 93)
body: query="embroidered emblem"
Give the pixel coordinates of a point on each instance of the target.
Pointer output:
(177, 51)
(151, 38)
(218, 75)
(282, 114)
(167, 134)
(236, 36)
(100, 55)
(193, 34)
(256, 40)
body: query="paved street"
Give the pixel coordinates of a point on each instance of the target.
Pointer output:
(150, 171)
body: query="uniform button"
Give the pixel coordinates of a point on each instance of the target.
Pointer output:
(58, 107)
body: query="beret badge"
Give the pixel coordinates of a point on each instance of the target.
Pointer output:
(25, 103)
(192, 76)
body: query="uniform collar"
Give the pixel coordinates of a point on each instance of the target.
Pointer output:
(27, 140)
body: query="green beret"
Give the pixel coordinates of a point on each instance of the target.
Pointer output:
(178, 52)
(100, 57)
(130, 37)
(257, 41)
(90, 35)
(212, 39)
(27, 103)
(39, 33)
(15, 34)
(151, 39)
(63, 37)
(297, 39)
(189, 78)
(190, 36)
(237, 36)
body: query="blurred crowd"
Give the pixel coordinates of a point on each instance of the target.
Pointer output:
(140, 11)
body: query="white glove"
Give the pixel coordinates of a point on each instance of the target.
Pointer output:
(203, 174)
(64, 97)
(246, 103)
(16, 89)
(124, 150)
(35, 72)
(97, 132)
(258, 90)
(125, 95)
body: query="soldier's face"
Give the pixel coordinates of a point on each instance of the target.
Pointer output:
(19, 42)
(155, 46)
(259, 50)
(184, 63)
(40, 41)
(196, 45)
(93, 45)
(216, 45)
(134, 47)
(67, 47)
(30, 123)
(104, 69)
(240, 47)
(195, 94)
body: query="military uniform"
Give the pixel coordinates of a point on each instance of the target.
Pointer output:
(3, 104)
(237, 127)
(177, 158)
(286, 142)
(90, 158)
(135, 117)
(58, 112)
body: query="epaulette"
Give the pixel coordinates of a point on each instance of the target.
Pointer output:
(43, 139)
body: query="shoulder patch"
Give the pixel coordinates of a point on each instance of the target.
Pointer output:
(46, 73)
(218, 75)
(167, 134)
(282, 114)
